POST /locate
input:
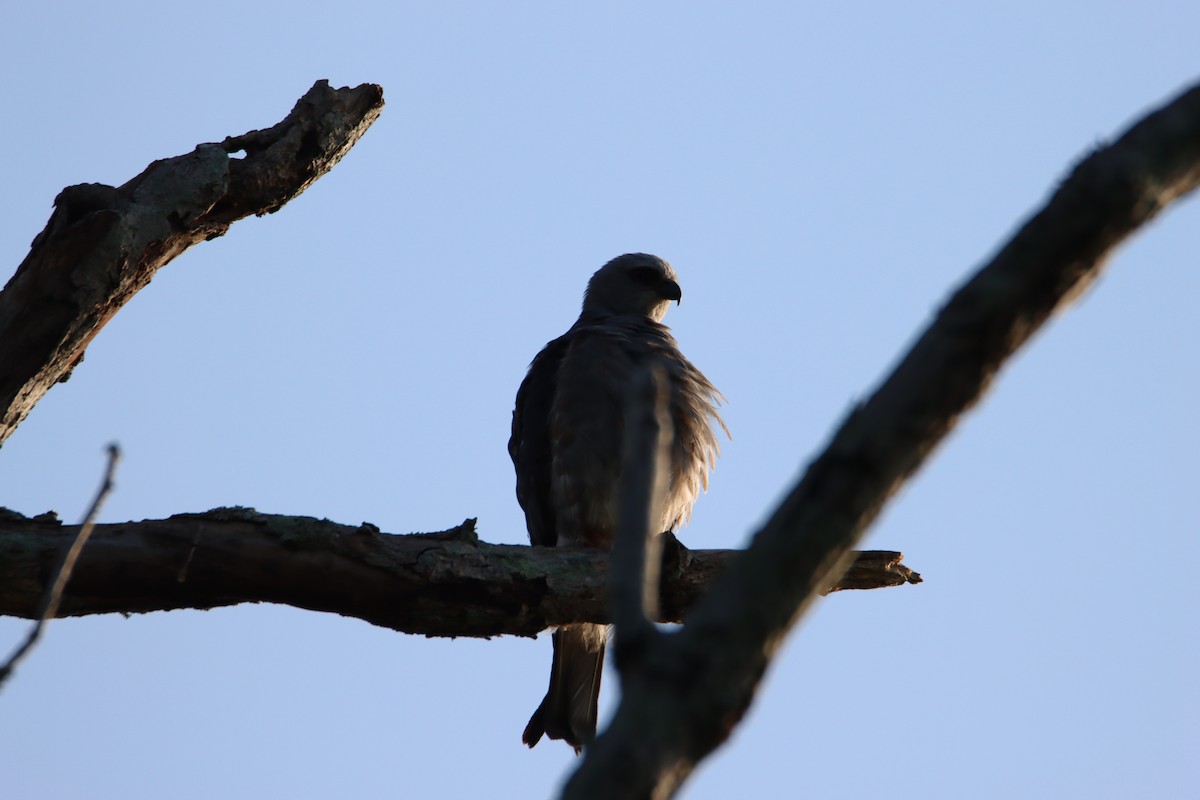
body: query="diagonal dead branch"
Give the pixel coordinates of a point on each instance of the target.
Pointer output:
(697, 685)
(104, 244)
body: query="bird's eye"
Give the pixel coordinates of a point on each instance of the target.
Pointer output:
(646, 276)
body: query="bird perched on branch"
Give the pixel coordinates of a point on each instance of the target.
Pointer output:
(567, 435)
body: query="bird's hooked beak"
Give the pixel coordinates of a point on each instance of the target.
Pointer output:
(671, 291)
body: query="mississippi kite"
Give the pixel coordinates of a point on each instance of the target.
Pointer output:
(566, 447)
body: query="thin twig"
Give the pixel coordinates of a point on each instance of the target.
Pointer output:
(54, 589)
(633, 581)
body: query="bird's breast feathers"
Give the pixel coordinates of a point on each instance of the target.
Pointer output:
(586, 428)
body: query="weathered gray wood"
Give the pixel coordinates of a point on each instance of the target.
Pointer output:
(439, 584)
(104, 244)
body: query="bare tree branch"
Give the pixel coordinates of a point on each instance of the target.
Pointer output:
(437, 584)
(695, 686)
(637, 552)
(103, 244)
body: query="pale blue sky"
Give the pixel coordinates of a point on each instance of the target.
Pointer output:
(820, 177)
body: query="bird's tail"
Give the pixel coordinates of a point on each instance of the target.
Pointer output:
(569, 709)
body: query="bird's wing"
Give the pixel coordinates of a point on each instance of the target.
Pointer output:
(529, 445)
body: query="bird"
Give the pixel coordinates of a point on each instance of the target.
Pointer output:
(567, 435)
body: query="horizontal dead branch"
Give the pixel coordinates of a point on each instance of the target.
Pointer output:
(436, 584)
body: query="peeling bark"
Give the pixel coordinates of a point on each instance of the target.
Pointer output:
(104, 244)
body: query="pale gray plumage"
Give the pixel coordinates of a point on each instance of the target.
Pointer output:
(566, 446)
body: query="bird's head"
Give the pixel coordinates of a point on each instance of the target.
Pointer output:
(635, 283)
